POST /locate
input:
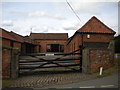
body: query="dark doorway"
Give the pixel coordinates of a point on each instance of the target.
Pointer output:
(55, 48)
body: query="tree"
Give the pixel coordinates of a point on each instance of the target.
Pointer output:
(117, 44)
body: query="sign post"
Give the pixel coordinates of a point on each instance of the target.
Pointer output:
(101, 70)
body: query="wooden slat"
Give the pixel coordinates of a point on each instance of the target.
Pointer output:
(68, 62)
(33, 64)
(51, 66)
(48, 70)
(27, 61)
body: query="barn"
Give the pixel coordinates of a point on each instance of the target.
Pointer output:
(50, 42)
(94, 34)
(96, 43)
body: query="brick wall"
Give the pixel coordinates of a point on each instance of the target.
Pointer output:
(100, 58)
(74, 44)
(43, 43)
(93, 59)
(98, 38)
(78, 39)
(5, 42)
(10, 62)
(6, 59)
(0, 58)
(17, 45)
(36, 49)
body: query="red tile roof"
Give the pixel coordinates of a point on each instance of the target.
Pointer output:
(49, 36)
(17, 36)
(27, 39)
(5, 34)
(95, 26)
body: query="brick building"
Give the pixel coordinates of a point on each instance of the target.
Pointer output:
(96, 41)
(11, 42)
(94, 34)
(6, 57)
(50, 42)
(14, 40)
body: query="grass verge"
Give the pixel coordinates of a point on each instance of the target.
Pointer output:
(111, 70)
(7, 82)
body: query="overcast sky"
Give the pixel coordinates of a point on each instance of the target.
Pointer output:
(55, 16)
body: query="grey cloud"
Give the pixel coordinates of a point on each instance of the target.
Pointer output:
(7, 23)
(40, 29)
(36, 14)
(89, 7)
(69, 28)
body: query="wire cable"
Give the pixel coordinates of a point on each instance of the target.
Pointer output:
(73, 10)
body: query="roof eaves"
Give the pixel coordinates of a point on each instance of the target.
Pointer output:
(18, 37)
(112, 31)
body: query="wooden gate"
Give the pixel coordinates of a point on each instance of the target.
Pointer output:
(57, 62)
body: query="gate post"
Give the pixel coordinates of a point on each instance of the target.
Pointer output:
(15, 63)
(80, 58)
(86, 62)
(81, 51)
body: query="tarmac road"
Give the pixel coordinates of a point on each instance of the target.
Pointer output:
(105, 82)
(110, 82)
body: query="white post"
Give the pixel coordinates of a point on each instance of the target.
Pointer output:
(101, 69)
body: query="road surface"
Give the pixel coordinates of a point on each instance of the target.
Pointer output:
(105, 82)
